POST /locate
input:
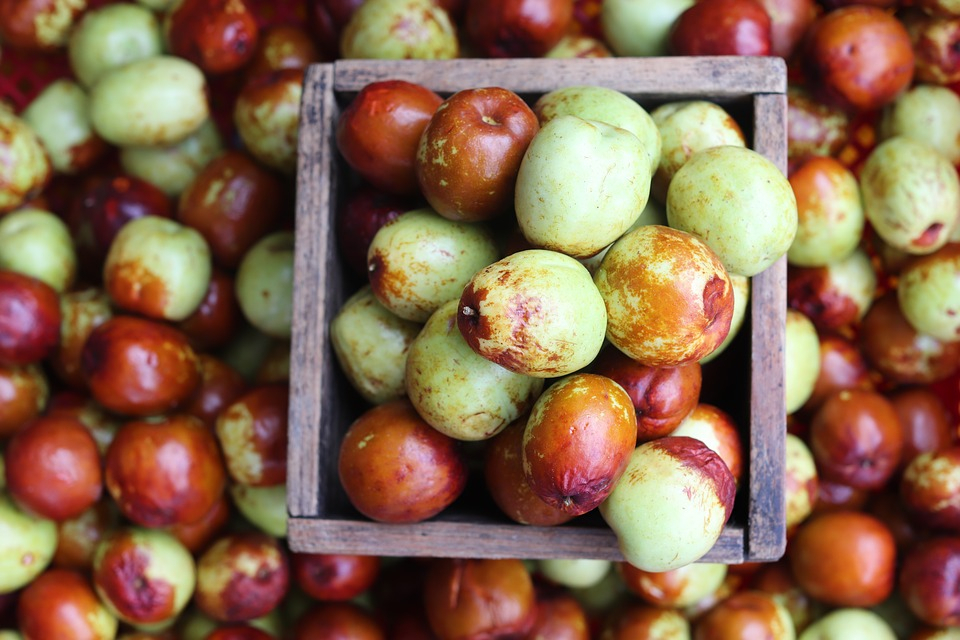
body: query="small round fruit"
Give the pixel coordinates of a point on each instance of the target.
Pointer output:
(82, 311)
(668, 298)
(37, 243)
(928, 114)
(143, 576)
(849, 624)
(398, 30)
(802, 481)
(53, 467)
(517, 28)
(929, 293)
(535, 312)
(38, 25)
(23, 396)
(802, 359)
(676, 588)
(252, 433)
(640, 28)
(21, 180)
(420, 260)
(165, 471)
(722, 27)
(394, 467)
(911, 195)
(263, 507)
(738, 203)
(834, 296)
(216, 35)
(924, 421)
(671, 503)
(241, 576)
(858, 57)
(577, 441)
(173, 167)
(813, 128)
(139, 367)
(153, 101)
(111, 36)
(158, 268)
(637, 620)
(745, 613)
(283, 46)
(267, 117)
(264, 284)
(334, 577)
(379, 132)
(458, 392)
(930, 489)
(337, 620)
(929, 579)
(844, 558)
(27, 544)
(30, 319)
(63, 604)
(716, 429)
(495, 598)
(60, 117)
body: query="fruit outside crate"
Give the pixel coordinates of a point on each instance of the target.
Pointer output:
(747, 380)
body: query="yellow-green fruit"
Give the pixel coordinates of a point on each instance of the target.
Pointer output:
(24, 178)
(399, 30)
(640, 27)
(563, 208)
(153, 101)
(264, 284)
(737, 202)
(849, 624)
(602, 105)
(27, 544)
(458, 392)
(689, 584)
(60, 117)
(535, 312)
(575, 573)
(112, 36)
(372, 344)
(37, 243)
(801, 358)
(929, 114)
(911, 195)
(929, 293)
(685, 128)
(172, 168)
(263, 507)
(801, 483)
(420, 260)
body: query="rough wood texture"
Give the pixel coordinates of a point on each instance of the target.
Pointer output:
(322, 404)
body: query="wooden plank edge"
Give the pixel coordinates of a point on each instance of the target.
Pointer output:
(705, 76)
(314, 158)
(461, 540)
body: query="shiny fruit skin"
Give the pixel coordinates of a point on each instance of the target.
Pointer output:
(394, 467)
(928, 581)
(215, 322)
(722, 27)
(62, 604)
(220, 385)
(334, 577)
(517, 28)
(53, 467)
(242, 576)
(23, 396)
(337, 621)
(139, 367)
(233, 203)
(858, 57)
(29, 319)
(844, 558)
(216, 35)
(379, 131)
(252, 433)
(930, 489)
(283, 46)
(165, 471)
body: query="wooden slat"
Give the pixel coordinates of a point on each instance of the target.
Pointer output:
(489, 540)
(314, 202)
(716, 77)
(766, 530)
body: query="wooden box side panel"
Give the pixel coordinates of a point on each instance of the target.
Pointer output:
(317, 419)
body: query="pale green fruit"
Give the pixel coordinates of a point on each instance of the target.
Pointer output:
(668, 298)
(603, 596)
(801, 359)
(685, 128)
(150, 253)
(929, 114)
(165, 560)
(855, 279)
(602, 105)
(7, 634)
(264, 284)
(849, 624)
(37, 243)
(535, 312)
(172, 168)
(371, 344)
(640, 27)
(27, 544)
(830, 213)
(801, 481)
(112, 36)
(29, 174)
(458, 392)
(578, 45)
(741, 300)
(666, 511)
(420, 260)
(911, 195)
(263, 507)
(563, 208)
(737, 202)
(153, 101)
(156, 5)
(929, 293)
(399, 30)
(575, 573)
(60, 117)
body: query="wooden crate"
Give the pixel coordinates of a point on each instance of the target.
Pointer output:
(748, 377)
